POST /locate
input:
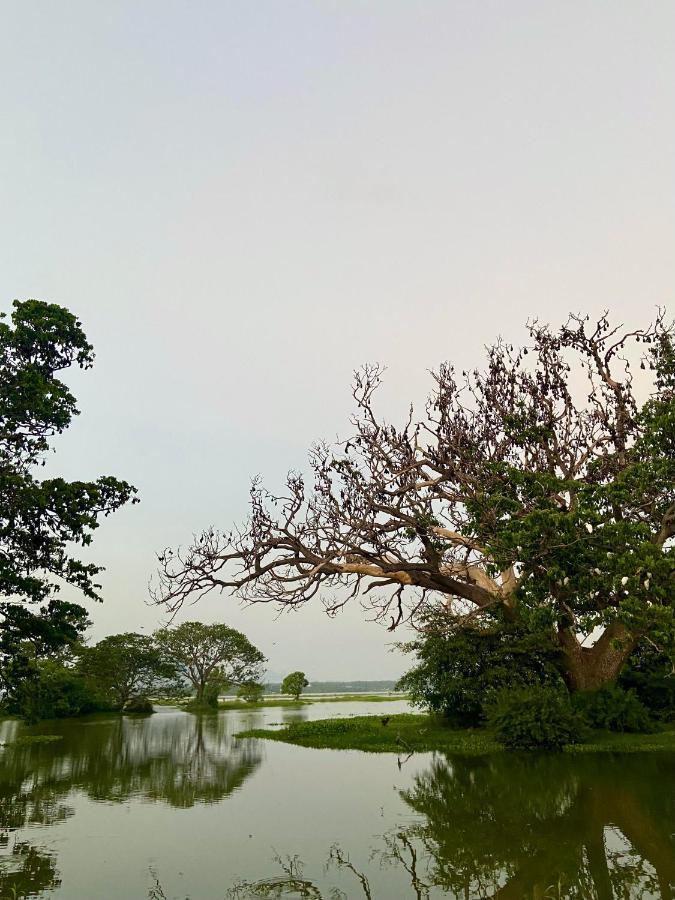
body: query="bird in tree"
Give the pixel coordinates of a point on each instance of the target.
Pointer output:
(210, 654)
(294, 684)
(537, 490)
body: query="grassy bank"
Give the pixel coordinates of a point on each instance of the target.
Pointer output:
(407, 733)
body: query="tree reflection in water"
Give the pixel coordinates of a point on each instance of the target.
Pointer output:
(532, 827)
(525, 826)
(181, 761)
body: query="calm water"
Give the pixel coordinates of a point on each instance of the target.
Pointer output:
(173, 806)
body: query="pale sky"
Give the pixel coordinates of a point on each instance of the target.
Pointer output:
(244, 201)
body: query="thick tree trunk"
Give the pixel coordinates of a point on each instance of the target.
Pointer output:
(591, 668)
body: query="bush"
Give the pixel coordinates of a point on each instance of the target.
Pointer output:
(649, 673)
(614, 710)
(139, 705)
(459, 672)
(53, 691)
(537, 717)
(251, 692)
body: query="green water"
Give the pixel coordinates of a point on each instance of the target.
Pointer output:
(173, 806)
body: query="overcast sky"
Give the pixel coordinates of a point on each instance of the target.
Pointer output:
(244, 201)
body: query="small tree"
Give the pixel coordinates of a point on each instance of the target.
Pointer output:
(124, 666)
(293, 684)
(251, 692)
(201, 652)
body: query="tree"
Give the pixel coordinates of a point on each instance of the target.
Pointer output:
(124, 666)
(251, 691)
(27, 640)
(293, 684)
(538, 488)
(201, 652)
(40, 521)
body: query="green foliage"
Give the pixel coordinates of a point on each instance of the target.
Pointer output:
(294, 684)
(27, 639)
(126, 665)
(613, 709)
(538, 717)
(40, 521)
(458, 672)
(251, 691)
(651, 675)
(202, 653)
(140, 705)
(50, 690)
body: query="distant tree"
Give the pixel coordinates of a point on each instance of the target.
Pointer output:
(294, 684)
(251, 691)
(201, 652)
(538, 487)
(124, 666)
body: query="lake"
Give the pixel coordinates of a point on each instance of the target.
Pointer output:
(174, 806)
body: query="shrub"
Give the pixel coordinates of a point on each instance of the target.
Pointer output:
(536, 717)
(649, 673)
(51, 691)
(139, 705)
(251, 692)
(458, 672)
(614, 710)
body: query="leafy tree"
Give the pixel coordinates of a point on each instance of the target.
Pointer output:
(127, 665)
(538, 487)
(26, 639)
(201, 652)
(40, 521)
(251, 691)
(458, 672)
(52, 690)
(294, 684)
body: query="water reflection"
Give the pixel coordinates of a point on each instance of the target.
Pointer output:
(502, 826)
(527, 827)
(180, 760)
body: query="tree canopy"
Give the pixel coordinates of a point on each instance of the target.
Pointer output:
(127, 665)
(202, 653)
(40, 521)
(535, 489)
(294, 684)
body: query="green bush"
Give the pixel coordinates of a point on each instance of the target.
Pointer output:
(614, 710)
(251, 692)
(649, 673)
(54, 691)
(459, 672)
(536, 717)
(139, 705)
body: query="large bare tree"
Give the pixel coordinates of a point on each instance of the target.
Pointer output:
(537, 488)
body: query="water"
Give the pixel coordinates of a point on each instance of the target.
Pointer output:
(173, 806)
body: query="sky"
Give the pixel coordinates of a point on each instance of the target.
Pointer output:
(246, 201)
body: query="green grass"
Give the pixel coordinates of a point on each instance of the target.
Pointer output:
(403, 733)
(408, 732)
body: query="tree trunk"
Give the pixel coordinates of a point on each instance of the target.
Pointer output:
(591, 668)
